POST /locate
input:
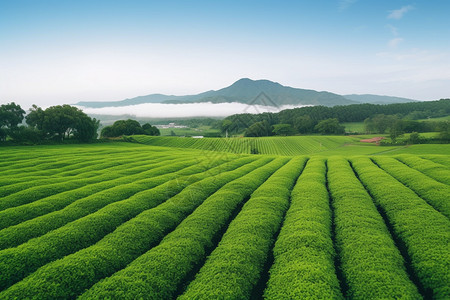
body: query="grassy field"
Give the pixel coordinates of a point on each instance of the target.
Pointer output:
(289, 146)
(132, 221)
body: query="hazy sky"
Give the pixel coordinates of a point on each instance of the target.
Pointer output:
(54, 52)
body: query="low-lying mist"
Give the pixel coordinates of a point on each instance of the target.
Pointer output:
(206, 109)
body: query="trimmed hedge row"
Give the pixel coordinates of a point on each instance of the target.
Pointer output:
(235, 266)
(123, 188)
(424, 231)
(439, 159)
(70, 276)
(372, 265)
(89, 188)
(435, 193)
(434, 170)
(303, 265)
(167, 265)
(26, 192)
(16, 263)
(77, 166)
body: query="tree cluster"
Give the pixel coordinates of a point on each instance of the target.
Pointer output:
(54, 123)
(129, 127)
(306, 120)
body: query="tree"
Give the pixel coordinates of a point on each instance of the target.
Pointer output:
(415, 138)
(86, 128)
(62, 121)
(304, 124)
(444, 131)
(11, 115)
(262, 128)
(128, 127)
(35, 117)
(283, 129)
(225, 125)
(151, 130)
(395, 129)
(329, 126)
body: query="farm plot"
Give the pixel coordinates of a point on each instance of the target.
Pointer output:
(291, 145)
(128, 221)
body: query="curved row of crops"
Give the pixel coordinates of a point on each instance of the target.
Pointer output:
(135, 222)
(291, 145)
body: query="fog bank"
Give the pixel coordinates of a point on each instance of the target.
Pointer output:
(206, 109)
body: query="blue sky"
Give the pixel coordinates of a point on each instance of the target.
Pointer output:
(54, 52)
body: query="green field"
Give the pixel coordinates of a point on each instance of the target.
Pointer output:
(289, 146)
(132, 221)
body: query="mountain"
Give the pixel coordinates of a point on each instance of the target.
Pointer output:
(263, 92)
(375, 99)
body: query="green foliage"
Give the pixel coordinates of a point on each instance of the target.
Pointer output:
(370, 262)
(304, 124)
(11, 115)
(304, 119)
(62, 121)
(424, 232)
(125, 220)
(250, 235)
(132, 238)
(259, 129)
(329, 126)
(89, 229)
(169, 263)
(283, 129)
(432, 191)
(303, 265)
(129, 127)
(428, 167)
(298, 145)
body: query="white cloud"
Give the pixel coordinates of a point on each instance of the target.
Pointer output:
(393, 43)
(393, 29)
(208, 109)
(399, 13)
(344, 4)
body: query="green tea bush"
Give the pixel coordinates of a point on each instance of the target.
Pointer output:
(371, 263)
(71, 275)
(424, 231)
(303, 265)
(235, 266)
(435, 193)
(434, 170)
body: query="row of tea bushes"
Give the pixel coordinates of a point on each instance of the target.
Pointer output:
(71, 275)
(371, 264)
(424, 231)
(434, 192)
(250, 237)
(15, 263)
(303, 265)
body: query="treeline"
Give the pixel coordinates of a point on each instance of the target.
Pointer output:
(325, 120)
(56, 123)
(128, 127)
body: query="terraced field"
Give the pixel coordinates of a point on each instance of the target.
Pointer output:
(290, 145)
(130, 221)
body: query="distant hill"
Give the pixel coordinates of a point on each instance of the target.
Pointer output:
(262, 92)
(375, 99)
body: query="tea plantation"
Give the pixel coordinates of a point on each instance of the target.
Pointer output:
(132, 221)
